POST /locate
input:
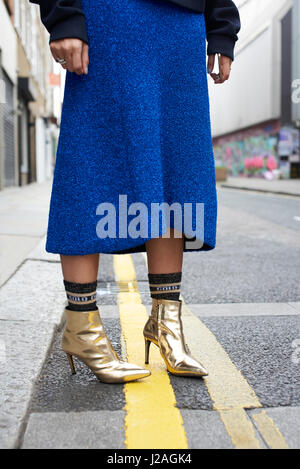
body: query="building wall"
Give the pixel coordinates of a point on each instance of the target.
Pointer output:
(249, 110)
(253, 94)
(8, 112)
(249, 152)
(8, 44)
(25, 63)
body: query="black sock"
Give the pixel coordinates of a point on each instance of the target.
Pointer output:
(81, 296)
(165, 286)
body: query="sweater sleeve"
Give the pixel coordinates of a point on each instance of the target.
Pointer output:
(222, 25)
(63, 19)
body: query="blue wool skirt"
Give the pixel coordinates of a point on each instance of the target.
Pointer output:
(135, 142)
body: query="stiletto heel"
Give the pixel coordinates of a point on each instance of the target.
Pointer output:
(71, 362)
(147, 350)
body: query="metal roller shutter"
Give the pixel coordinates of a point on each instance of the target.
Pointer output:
(9, 132)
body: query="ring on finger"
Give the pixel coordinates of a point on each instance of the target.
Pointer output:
(61, 61)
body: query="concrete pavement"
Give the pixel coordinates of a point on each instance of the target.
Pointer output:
(28, 317)
(23, 222)
(281, 187)
(241, 317)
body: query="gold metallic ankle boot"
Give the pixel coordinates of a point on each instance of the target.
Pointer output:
(164, 329)
(85, 338)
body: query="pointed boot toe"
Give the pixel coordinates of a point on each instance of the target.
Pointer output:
(136, 374)
(189, 367)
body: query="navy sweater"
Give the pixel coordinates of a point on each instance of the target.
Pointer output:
(65, 19)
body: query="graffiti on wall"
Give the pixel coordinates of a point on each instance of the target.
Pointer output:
(250, 156)
(249, 152)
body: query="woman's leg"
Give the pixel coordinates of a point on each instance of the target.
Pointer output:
(164, 326)
(84, 335)
(165, 256)
(80, 279)
(80, 269)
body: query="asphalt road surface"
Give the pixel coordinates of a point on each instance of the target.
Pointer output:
(241, 318)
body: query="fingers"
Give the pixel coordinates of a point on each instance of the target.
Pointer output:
(85, 58)
(224, 69)
(76, 61)
(74, 52)
(68, 56)
(225, 65)
(216, 78)
(55, 48)
(210, 64)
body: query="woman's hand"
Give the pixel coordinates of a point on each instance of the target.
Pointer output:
(225, 67)
(72, 54)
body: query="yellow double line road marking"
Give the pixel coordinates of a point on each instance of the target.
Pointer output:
(152, 418)
(228, 389)
(270, 432)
